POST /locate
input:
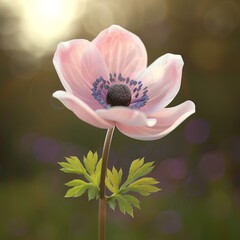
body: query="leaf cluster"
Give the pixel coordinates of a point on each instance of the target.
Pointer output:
(90, 172)
(135, 182)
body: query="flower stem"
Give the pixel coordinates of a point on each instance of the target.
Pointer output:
(102, 195)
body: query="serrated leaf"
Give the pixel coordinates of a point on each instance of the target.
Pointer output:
(132, 200)
(74, 161)
(146, 180)
(93, 192)
(143, 190)
(136, 164)
(124, 205)
(117, 177)
(90, 162)
(138, 169)
(113, 179)
(112, 203)
(143, 186)
(76, 182)
(72, 166)
(69, 170)
(64, 164)
(81, 191)
(76, 191)
(109, 184)
(91, 174)
(136, 182)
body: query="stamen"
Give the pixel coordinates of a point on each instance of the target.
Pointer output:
(119, 91)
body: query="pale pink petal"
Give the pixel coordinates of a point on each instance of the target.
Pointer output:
(163, 79)
(126, 116)
(82, 110)
(123, 51)
(79, 64)
(167, 120)
(66, 60)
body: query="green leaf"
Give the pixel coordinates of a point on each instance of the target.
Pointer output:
(93, 192)
(74, 161)
(132, 200)
(136, 182)
(73, 165)
(113, 179)
(76, 191)
(90, 162)
(145, 180)
(137, 170)
(112, 203)
(143, 186)
(124, 205)
(136, 164)
(76, 182)
(109, 184)
(90, 170)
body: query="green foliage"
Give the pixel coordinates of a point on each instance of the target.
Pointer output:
(136, 182)
(113, 179)
(90, 171)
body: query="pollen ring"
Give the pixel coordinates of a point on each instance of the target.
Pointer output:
(119, 91)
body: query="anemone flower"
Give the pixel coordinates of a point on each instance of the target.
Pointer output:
(108, 84)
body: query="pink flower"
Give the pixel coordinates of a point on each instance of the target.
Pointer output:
(108, 84)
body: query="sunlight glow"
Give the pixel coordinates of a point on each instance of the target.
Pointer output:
(37, 26)
(44, 22)
(48, 9)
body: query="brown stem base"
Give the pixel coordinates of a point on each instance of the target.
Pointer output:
(102, 219)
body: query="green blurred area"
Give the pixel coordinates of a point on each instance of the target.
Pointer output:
(198, 165)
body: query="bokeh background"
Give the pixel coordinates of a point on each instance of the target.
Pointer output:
(198, 165)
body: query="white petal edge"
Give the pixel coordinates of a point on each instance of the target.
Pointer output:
(126, 116)
(82, 110)
(167, 120)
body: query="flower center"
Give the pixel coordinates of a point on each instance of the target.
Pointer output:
(118, 90)
(119, 95)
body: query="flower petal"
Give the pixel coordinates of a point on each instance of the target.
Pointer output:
(163, 79)
(126, 116)
(167, 120)
(82, 110)
(78, 64)
(123, 51)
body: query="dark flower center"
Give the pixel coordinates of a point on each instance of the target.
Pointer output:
(119, 95)
(118, 90)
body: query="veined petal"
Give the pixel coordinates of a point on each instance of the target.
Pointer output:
(82, 110)
(126, 116)
(123, 51)
(167, 120)
(66, 60)
(163, 79)
(78, 64)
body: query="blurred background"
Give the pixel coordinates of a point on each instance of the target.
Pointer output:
(198, 165)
